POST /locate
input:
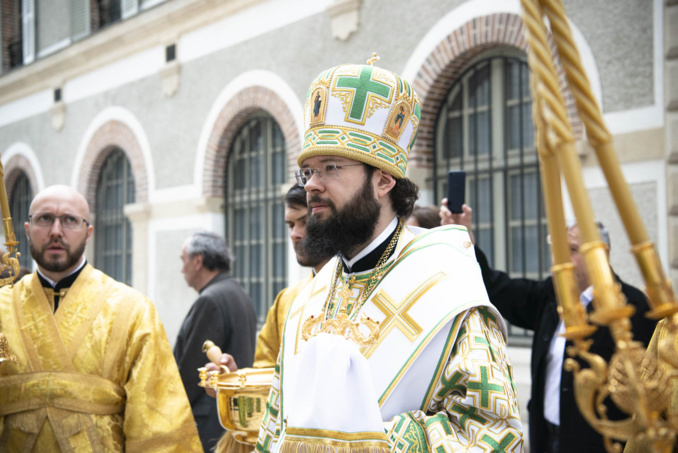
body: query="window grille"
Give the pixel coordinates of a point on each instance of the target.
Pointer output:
(255, 220)
(112, 230)
(485, 128)
(19, 204)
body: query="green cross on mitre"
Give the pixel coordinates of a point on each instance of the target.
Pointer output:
(363, 86)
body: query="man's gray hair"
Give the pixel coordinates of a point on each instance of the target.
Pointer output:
(215, 253)
(602, 231)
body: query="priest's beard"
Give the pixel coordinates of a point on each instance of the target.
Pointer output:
(345, 230)
(72, 258)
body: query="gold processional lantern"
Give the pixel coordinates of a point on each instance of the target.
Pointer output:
(10, 260)
(634, 380)
(241, 395)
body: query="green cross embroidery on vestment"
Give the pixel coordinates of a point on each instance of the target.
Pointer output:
(451, 385)
(468, 413)
(363, 86)
(408, 435)
(487, 315)
(510, 379)
(265, 447)
(485, 388)
(269, 406)
(441, 419)
(498, 447)
(483, 341)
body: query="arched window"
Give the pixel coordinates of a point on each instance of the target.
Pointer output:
(19, 203)
(112, 230)
(485, 128)
(255, 219)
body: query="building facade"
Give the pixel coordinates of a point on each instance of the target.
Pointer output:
(177, 115)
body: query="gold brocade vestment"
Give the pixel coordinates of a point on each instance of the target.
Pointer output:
(97, 375)
(270, 337)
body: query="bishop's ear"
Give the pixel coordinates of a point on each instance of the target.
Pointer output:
(384, 182)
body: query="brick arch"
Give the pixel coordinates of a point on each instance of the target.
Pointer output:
(17, 165)
(111, 135)
(231, 118)
(450, 58)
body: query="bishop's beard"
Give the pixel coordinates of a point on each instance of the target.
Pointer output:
(344, 230)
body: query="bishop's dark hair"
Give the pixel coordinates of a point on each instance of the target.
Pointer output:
(403, 196)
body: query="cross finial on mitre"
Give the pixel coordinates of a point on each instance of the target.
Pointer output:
(374, 59)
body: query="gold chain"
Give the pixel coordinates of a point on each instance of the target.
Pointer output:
(371, 281)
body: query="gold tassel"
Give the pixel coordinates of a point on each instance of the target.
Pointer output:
(297, 446)
(321, 441)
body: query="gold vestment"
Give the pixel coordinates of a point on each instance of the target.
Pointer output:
(97, 375)
(268, 342)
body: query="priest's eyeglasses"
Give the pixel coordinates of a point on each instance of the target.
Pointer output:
(305, 174)
(68, 221)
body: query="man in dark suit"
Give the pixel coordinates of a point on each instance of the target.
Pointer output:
(556, 425)
(222, 313)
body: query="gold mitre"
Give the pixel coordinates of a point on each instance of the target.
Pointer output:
(364, 113)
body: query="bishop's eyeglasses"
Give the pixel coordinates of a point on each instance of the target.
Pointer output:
(303, 175)
(68, 221)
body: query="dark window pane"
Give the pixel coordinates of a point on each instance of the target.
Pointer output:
(516, 250)
(484, 240)
(516, 196)
(279, 230)
(454, 137)
(528, 125)
(279, 260)
(513, 83)
(500, 161)
(113, 238)
(531, 240)
(531, 185)
(484, 206)
(483, 131)
(514, 131)
(257, 170)
(19, 204)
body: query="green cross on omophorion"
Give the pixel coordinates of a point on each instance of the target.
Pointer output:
(363, 86)
(498, 447)
(469, 413)
(485, 388)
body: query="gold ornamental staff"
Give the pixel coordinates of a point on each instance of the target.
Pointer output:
(642, 397)
(658, 286)
(8, 261)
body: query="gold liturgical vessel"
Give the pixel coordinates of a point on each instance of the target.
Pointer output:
(241, 395)
(639, 383)
(9, 261)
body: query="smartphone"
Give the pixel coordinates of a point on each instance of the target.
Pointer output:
(456, 190)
